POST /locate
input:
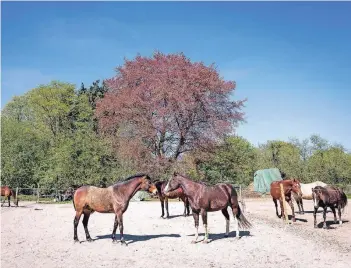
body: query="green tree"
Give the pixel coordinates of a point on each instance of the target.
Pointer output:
(234, 161)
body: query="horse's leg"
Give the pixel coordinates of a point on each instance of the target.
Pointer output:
(85, 224)
(282, 212)
(226, 215)
(292, 210)
(120, 223)
(339, 212)
(276, 207)
(187, 206)
(115, 225)
(204, 222)
(8, 199)
(334, 212)
(3, 202)
(235, 209)
(184, 202)
(162, 200)
(301, 203)
(75, 224)
(315, 216)
(166, 203)
(324, 217)
(196, 220)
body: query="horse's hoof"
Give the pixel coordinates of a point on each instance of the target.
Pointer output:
(294, 220)
(114, 241)
(325, 227)
(315, 226)
(225, 236)
(76, 241)
(123, 243)
(193, 242)
(205, 242)
(90, 240)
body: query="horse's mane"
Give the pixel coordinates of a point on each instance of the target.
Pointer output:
(188, 178)
(133, 177)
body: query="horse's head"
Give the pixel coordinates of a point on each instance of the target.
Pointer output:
(172, 184)
(296, 186)
(147, 185)
(316, 195)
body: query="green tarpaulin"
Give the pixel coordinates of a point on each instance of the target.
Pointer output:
(263, 179)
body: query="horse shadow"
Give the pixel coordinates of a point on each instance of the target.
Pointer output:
(297, 219)
(311, 212)
(176, 216)
(135, 238)
(218, 236)
(329, 223)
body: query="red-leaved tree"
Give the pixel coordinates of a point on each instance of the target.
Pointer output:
(163, 106)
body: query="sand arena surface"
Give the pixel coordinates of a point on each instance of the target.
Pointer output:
(39, 235)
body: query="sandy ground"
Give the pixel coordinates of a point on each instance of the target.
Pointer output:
(39, 235)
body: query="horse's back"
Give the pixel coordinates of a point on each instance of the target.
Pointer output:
(93, 198)
(5, 191)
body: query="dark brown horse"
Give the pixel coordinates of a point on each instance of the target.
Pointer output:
(7, 192)
(113, 199)
(203, 199)
(289, 186)
(328, 196)
(177, 193)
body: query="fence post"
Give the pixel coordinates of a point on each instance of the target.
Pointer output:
(16, 195)
(284, 204)
(38, 195)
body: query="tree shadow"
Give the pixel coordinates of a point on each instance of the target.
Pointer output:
(218, 236)
(329, 223)
(135, 238)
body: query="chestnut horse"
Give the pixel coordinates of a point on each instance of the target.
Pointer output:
(203, 199)
(7, 192)
(328, 196)
(177, 193)
(289, 186)
(113, 199)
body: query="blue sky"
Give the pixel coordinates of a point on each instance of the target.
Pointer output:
(292, 60)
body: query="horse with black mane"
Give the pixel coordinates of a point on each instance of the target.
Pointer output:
(7, 192)
(177, 193)
(289, 186)
(328, 196)
(203, 199)
(113, 199)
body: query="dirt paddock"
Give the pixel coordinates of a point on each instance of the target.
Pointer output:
(39, 235)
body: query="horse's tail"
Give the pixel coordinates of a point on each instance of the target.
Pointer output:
(242, 221)
(15, 198)
(343, 201)
(74, 205)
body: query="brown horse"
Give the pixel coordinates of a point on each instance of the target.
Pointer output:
(328, 196)
(7, 192)
(289, 186)
(203, 199)
(177, 193)
(113, 199)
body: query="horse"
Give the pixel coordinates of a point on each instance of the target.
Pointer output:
(7, 192)
(289, 186)
(177, 193)
(306, 193)
(328, 196)
(204, 198)
(113, 199)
